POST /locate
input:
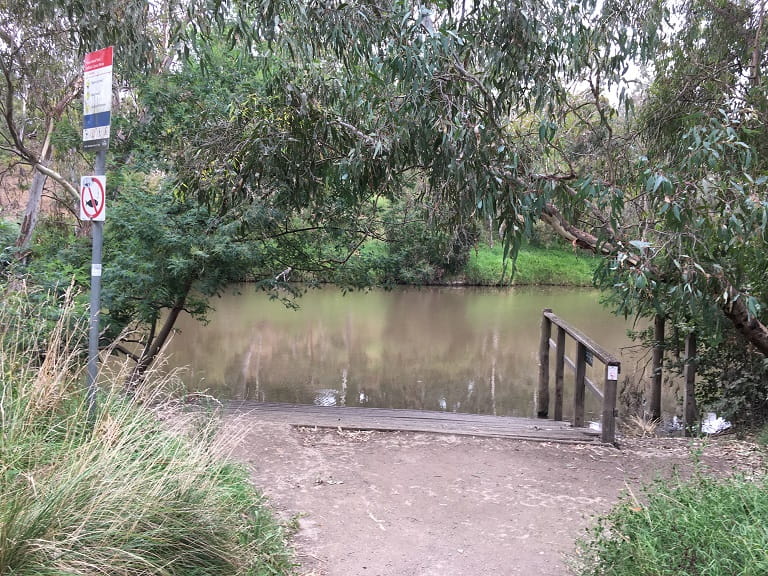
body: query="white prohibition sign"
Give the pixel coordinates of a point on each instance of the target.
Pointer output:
(613, 372)
(92, 197)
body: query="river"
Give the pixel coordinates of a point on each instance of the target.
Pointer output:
(439, 348)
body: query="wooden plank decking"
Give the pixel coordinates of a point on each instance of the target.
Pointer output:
(355, 418)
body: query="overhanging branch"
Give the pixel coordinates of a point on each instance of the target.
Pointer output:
(734, 307)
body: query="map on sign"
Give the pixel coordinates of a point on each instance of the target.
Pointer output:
(97, 99)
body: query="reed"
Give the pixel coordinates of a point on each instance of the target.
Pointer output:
(131, 494)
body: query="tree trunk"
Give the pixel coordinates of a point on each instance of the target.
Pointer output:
(658, 361)
(689, 376)
(32, 210)
(748, 325)
(734, 308)
(156, 343)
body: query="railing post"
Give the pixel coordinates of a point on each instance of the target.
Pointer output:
(559, 373)
(658, 360)
(608, 422)
(542, 403)
(689, 375)
(579, 386)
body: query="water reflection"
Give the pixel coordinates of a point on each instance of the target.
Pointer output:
(456, 349)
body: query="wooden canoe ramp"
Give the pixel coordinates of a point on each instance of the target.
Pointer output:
(541, 429)
(391, 420)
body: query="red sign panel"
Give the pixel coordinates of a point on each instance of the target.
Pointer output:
(98, 59)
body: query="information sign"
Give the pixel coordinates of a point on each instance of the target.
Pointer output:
(97, 99)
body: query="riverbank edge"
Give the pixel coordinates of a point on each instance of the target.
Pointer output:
(487, 266)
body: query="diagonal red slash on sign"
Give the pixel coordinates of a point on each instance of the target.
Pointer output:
(92, 203)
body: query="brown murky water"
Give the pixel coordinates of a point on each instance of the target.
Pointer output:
(457, 349)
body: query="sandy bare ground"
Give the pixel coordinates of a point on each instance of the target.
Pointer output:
(413, 504)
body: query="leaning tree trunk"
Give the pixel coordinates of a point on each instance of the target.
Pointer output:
(35, 199)
(31, 212)
(155, 343)
(734, 307)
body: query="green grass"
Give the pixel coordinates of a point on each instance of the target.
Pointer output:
(134, 493)
(697, 527)
(539, 266)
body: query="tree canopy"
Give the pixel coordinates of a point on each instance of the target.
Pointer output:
(272, 121)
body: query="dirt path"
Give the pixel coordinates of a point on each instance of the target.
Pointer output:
(411, 504)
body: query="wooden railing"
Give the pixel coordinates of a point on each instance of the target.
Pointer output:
(586, 351)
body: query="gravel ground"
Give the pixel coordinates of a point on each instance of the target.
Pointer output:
(413, 504)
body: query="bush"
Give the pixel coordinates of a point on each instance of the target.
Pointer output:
(127, 494)
(416, 246)
(697, 527)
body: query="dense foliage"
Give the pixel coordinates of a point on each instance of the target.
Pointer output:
(287, 128)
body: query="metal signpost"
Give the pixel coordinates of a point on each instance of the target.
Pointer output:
(97, 111)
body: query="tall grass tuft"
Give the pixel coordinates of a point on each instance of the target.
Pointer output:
(134, 494)
(702, 526)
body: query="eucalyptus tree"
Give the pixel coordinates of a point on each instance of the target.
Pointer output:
(697, 250)
(699, 232)
(42, 46)
(382, 92)
(385, 91)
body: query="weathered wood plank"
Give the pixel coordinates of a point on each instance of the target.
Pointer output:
(579, 385)
(601, 353)
(357, 418)
(542, 398)
(608, 420)
(559, 372)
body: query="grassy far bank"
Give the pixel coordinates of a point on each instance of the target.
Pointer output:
(556, 266)
(134, 494)
(416, 264)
